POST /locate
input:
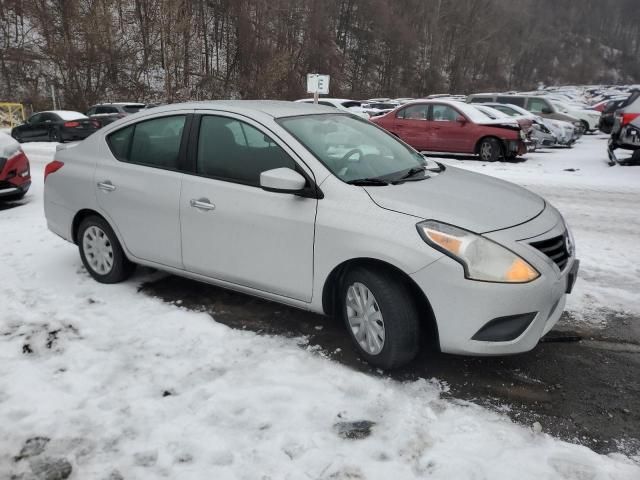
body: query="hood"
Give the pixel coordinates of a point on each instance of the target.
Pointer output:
(465, 199)
(499, 122)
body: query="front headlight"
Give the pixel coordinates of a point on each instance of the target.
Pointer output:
(481, 258)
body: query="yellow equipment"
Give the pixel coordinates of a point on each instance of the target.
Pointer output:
(11, 114)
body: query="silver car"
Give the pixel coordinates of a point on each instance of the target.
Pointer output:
(321, 210)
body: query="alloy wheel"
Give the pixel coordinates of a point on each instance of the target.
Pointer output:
(486, 151)
(365, 318)
(98, 250)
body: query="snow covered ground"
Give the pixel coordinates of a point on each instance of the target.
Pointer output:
(126, 386)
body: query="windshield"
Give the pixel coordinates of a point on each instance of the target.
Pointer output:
(353, 149)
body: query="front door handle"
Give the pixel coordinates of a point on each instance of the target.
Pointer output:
(107, 186)
(202, 204)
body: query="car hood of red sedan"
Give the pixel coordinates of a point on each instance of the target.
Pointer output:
(473, 201)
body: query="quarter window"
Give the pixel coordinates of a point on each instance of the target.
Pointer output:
(155, 143)
(413, 112)
(233, 150)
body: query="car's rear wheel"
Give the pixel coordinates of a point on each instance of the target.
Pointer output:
(490, 150)
(101, 252)
(54, 135)
(381, 317)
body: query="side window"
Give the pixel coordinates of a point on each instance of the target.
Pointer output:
(326, 104)
(413, 112)
(106, 110)
(155, 143)
(537, 104)
(481, 99)
(37, 118)
(504, 109)
(233, 150)
(91, 111)
(519, 101)
(444, 113)
(120, 141)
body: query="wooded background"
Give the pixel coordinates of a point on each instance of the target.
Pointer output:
(172, 50)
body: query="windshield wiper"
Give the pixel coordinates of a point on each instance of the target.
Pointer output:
(368, 182)
(412, 172)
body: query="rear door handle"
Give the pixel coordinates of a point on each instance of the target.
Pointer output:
(107, 186)
(202, 204)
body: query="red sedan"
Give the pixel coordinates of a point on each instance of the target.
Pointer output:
(15, 175)
(454, 127)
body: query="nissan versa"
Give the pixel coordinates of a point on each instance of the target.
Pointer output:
(321, 210)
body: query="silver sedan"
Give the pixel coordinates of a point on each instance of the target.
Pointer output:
(321, 210)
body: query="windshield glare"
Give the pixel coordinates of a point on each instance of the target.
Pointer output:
(351, 148)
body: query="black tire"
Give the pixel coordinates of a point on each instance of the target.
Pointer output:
(585, 126)
(54, 135)
(399, 313)
(490, 150)
(121, 268)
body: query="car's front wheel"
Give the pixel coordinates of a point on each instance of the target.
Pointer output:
(490, 150)
(381, 317)
(101, 252)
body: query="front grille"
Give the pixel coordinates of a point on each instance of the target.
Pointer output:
(555, 248)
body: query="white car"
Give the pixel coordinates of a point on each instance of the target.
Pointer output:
(351, 106)
(589, 118)
(318, 209)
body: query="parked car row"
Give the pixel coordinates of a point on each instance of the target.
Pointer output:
(67, 125)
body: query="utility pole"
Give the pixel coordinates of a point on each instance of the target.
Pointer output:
(53, 97)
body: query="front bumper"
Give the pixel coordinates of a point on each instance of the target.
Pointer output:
(462, 307)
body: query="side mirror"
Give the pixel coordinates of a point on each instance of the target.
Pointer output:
(461, 120)
(546, 110)
(282, 180)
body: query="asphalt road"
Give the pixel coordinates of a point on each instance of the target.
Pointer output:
(581, 383)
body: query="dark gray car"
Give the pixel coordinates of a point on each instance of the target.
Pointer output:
(105, 113)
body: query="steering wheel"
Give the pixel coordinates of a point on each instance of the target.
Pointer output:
(343, 161)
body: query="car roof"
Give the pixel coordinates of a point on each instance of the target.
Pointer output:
(119, 103)
(272, 108)
(65, 114)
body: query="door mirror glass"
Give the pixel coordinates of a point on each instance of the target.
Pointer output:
(282, 180)
(547, 110)
(460, 119)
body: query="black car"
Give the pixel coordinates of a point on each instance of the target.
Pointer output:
(105, 113)
(608, 116)
(55, 126)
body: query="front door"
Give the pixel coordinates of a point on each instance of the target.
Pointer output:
(234, 231)
(138, 187)
(446, 133)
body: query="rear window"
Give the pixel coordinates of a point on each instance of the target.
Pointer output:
(481, 99)
(519, 101)
(132, 108)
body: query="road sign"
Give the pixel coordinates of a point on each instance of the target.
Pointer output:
(317, 83)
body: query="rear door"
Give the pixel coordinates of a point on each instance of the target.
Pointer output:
(138, 185)
(410, 124)
(234, 231)
(446, 133)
